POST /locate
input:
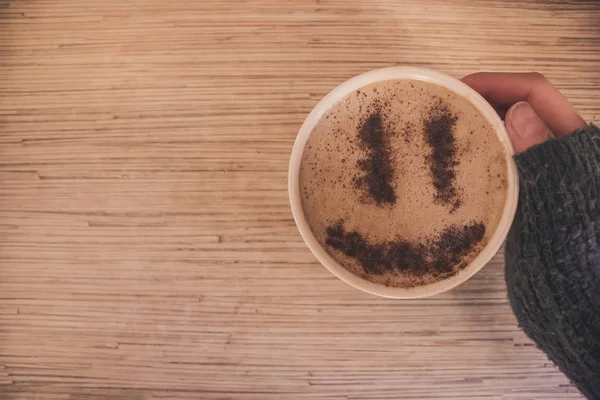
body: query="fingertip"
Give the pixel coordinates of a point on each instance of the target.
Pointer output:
(480, 82)
(469, 79)
(525, 127)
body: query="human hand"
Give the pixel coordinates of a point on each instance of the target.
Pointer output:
(532, 108)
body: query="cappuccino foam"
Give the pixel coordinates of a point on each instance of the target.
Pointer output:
(403, 182)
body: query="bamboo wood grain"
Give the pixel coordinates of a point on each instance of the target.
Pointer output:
(147, 249)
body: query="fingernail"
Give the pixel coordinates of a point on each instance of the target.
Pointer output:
(523, 122)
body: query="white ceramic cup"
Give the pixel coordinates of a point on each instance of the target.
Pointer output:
(420, 74)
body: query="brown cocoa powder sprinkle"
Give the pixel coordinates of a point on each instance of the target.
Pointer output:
(376, 167)
(439, 135)
(441, 255)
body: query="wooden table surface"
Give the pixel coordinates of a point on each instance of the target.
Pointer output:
(147, 248)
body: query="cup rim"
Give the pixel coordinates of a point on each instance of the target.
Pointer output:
(407, 73)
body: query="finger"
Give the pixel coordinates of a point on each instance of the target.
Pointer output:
(506, 89)
(525, 127)
(500, 110)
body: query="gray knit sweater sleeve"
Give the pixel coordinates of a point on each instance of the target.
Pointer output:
(553, 254)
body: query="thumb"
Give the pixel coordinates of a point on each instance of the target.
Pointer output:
(524, 126)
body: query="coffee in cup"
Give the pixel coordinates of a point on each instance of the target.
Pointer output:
(404, 182)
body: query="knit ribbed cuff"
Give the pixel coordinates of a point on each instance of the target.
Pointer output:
(578, 152)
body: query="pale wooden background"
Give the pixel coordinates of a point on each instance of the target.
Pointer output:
(147, 249)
